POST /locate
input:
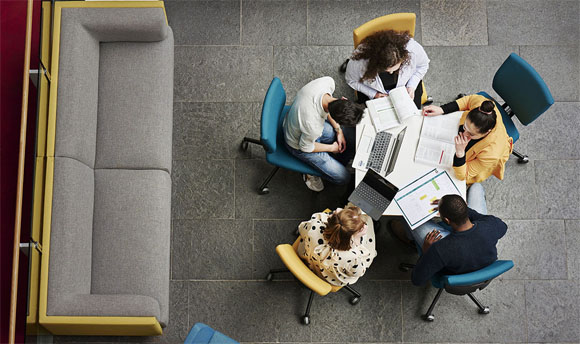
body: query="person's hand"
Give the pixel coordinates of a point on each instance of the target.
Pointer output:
(411, 91)
(430, 239)
(432, 110)
(380, 95)
(341, 141)
(461, 141)
(334, 147)
(435, 203)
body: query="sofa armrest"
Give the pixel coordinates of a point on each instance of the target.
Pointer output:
(107, 305)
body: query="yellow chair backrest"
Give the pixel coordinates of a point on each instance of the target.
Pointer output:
(396, 21)
(301, 271)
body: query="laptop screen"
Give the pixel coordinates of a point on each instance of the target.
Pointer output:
(380, 184)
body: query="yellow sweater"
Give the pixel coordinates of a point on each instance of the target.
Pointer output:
(489, 155)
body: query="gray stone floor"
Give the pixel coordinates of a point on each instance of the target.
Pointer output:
(224, 234)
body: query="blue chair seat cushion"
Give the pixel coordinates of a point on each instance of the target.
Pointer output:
(510, 127)
(489, 272)
(203, 334)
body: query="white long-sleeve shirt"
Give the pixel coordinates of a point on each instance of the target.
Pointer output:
(409, 75)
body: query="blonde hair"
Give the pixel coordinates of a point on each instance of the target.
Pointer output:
(342, 226)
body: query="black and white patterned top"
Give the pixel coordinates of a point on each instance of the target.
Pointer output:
(336, 267)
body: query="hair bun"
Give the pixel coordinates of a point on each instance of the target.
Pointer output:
(487, 106)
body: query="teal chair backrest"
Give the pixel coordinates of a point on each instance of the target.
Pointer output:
(522, 88)
(485, 274)
(272, 114)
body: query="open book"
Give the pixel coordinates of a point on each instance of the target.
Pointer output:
(389, 112)
(436, 144)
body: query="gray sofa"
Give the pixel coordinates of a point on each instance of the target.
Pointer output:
(111, 204)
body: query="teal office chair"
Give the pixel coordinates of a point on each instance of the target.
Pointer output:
(464, 284)
(272, 136)
(525, 94)
(203, 334)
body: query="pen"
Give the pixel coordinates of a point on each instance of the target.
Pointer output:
(441, 158)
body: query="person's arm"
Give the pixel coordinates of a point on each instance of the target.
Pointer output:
(421, 65)
(494, 224)
(354, 72)
(427, 266)
(476, 170)
(339, 134)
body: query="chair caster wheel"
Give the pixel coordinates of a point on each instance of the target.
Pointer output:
(264, 191)
(524, 160)
(269, 277)
(245, 145)
(485, 310)
(429, 317)
(428, 101)
(354, 300)
(306, 320)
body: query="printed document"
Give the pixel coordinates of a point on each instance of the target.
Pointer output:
(389, 112)
(436, 144)
(415, 199)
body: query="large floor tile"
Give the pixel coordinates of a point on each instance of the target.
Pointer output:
(267, 235)
(457, 318)
(252, 311)
(222, 74)
(213, 130)
(267, 22)
(454, 22)
(455, 70)
(553, 311)
(558, 66)
(516, 196)
(558, 194)
(553, 135)
(204, 22)
(203, 188)
(331, 22)
(533, 22)
(218, 249)
(537, 248)
(573, 249)
(289, 198)
(297, 66)
(376, 318)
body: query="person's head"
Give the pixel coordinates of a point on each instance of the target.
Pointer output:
(342, 225)
(385, 51)
(453, 210)
(346, 112)
(480, 121)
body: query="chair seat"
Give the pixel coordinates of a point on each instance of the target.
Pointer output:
(203, 334)
(510, 127)
(284, 159)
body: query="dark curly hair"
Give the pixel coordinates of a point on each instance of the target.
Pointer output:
(383, 49)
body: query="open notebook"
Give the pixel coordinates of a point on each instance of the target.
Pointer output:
(436, 144)
(389, 112)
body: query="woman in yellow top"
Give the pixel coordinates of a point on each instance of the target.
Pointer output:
(482, 145)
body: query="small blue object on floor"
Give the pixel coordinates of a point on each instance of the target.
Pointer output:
(203, 334)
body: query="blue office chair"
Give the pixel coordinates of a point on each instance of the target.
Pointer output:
(464, 284)
(525, 94)
(272, 136)
(203, 334)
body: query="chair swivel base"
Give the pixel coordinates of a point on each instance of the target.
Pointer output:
(263, 188)
(305, 319)
(522, 158)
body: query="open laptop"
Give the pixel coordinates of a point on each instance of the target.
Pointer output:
(379, 152)
(373, 194)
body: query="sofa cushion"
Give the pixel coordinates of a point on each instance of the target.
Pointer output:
(71, 232)
(131, 236)
(108, 305)
(135, 105)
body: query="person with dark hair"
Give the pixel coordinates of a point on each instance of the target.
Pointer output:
(482, 146)
(313, 131)
(339, 247)
(386, 60)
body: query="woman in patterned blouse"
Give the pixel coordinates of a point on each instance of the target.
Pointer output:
(340, 246)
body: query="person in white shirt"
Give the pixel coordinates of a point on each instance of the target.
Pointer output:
(338, 247)
(313, 133)
(386, 60)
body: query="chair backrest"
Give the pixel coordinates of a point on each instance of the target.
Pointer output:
(522, 88)
(480, 277)
(271, 114)
(395, 21)
(297, 267)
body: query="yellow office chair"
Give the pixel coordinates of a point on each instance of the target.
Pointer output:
(396, 22)
(301, 271)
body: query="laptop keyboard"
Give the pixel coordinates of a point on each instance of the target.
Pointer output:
(379, 151)
(373, 197)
